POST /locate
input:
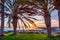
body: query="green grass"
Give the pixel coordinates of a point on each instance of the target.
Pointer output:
(22, 36)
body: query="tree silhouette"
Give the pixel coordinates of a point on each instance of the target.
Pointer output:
(2, 18)
(45, 10)
(15, 10)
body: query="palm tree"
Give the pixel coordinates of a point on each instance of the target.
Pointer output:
(2, 18)
(43, 6)
(14, 7)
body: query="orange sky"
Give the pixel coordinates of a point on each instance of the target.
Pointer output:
(54, 23)
(42, 24)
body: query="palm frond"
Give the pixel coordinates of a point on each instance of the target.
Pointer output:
(30, 21)
(8, 3)
(27, 24)
(33, 18)
(30, 11)
(4, 6)
(23, 22)
(23, 1)
(9, 22)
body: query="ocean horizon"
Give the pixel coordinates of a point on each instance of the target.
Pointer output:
(21, 28)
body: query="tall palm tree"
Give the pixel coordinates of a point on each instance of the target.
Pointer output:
(43, 6)
(2, 18)
(15, 10)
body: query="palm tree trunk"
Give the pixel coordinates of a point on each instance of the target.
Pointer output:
(2, 20)
(14, 24)
(59, 18)
(48, 23)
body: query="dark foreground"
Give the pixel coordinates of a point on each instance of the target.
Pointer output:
(21, 36)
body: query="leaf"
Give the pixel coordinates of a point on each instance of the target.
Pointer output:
(23, 1)
(27, 24)
(23, 22)
(9, 22)
(33, 18)
(30, 21)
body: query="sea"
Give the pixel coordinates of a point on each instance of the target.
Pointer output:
(6, 29)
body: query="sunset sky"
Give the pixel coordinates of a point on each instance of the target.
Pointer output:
(54, 17)
(40, 23)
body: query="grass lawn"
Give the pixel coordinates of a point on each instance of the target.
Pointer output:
(21, 36)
